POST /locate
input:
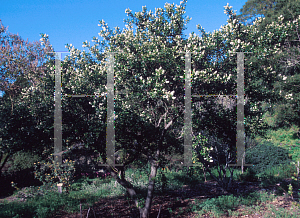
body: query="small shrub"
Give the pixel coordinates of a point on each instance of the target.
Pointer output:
(76, 186)
(17, 210)
(287, 138)
(21, 161)
(29, 192)
(50, 172)
(265, 156)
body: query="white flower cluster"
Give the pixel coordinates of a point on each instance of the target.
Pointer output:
(227, 7)
(258, 20)
(128, 11)
(44, 38)
(105, 30)
(289, 96)
(85, 44)
(280, 18)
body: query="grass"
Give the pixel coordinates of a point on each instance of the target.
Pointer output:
(227, 204)
(49, 201)
(260, 202)
(44, 201)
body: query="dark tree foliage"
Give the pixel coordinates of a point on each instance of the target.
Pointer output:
(255, 8)
(270, 9)
(22, 68)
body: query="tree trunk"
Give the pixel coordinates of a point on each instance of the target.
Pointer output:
(2, 164)
(127, 185)
(204, 172)
(144, 212)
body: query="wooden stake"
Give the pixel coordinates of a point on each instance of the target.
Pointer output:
(88, 213)
(242, 166)
(80, 211)
(59, 186)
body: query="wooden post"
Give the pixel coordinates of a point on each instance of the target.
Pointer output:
(59, 186)
(80, 211)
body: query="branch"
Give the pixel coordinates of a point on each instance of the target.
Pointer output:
(160, 119)
(169, 124)
(127, 185)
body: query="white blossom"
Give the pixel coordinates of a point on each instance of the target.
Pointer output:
(127, 11)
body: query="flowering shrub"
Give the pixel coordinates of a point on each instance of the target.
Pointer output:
(200, 149)
(51, 172)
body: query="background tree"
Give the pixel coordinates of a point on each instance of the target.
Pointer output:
(270, 10)
(215, 73)
(22, 72)
(286, 112)
(255, 8)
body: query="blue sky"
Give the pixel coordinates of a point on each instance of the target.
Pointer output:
(74, 21)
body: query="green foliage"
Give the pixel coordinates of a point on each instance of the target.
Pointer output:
(254, 8)
(248, 176)
(290, 190)
(17, 210)
(274, 175)
(266, 155)
(29, 193)
(43, 202)
(20, 170)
